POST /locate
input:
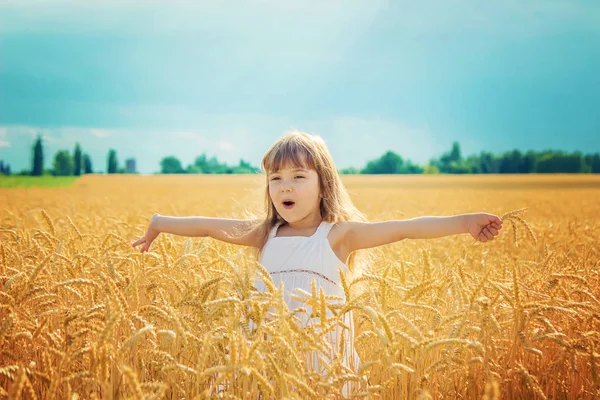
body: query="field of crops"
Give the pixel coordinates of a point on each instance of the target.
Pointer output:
(85, 315)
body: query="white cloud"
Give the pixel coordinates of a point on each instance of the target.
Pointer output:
(51, 139)
(20, 130)
(101, 133)
(224, 145)
(3, 133)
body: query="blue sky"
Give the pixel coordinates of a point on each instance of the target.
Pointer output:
(227, 78)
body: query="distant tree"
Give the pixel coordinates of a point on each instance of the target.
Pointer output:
(37, 168)
(473, 164)
(487, 163)
(87, 164)
(112, 163)
(430, 169)
(215, 167)
(63, 163)
(528, 162)
(171, 165)
(511, 162)
(193, 169)
(389, 163)
(557, 162)
(447, 159)
(4, 168)
(77, 160)
(201, 164)
(350, 171)
(245, 168)
(593, 162)
(458, 167)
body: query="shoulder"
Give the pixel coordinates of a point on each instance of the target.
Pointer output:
(340, 231)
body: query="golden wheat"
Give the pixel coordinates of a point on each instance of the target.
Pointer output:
(432, 319)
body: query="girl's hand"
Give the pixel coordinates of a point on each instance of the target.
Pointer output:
(150, 235)
(483, 226)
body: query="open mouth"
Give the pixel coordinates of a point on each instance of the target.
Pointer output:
(288, 205)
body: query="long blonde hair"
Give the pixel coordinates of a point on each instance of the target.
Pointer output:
(304, 150)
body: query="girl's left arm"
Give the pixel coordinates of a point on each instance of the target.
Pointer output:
(362, 235)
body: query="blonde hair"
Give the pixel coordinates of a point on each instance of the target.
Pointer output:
(304, 150)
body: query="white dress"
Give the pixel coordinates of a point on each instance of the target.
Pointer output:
(297, 260)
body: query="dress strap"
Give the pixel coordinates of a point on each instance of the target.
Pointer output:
(274, 230)
(325, 227)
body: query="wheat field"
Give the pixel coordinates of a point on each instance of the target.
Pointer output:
(84, 315)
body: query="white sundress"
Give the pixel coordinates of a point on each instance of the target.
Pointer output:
(295, 261)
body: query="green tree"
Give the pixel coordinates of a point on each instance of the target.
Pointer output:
(389, 163)
(201, 164)
(528, 162)
(431, 169)
(593, 162)
(245, 168)
(63, 163)
(4, 168)
(112, 163)
(87, 164)
(487, 163)
(171, 165)
(37, 168)
(451, 162)
(557, 162)
(77, 160)
(350, 171)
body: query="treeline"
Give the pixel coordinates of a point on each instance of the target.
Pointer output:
(77, 163)
(66, 164)
(203, 165)
(511, 162)
(451, 162)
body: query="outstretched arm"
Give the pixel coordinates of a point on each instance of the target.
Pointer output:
(362, 235)
(224, 229)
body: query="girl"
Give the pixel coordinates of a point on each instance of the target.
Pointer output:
(310, 228)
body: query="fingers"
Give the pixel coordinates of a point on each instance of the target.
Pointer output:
(488, 233)
(139, 241)
(143, 242)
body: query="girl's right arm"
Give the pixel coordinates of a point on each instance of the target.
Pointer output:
(224, 229)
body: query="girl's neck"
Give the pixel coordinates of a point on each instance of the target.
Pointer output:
(306, 224)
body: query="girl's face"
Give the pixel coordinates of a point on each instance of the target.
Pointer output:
(295, 193)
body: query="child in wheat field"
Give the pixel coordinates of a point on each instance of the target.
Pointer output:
(311, 228)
